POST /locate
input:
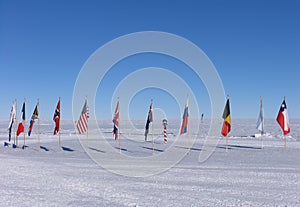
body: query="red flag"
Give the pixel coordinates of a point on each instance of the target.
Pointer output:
(282, 118)
(56, 118)
(21, 124)
(20, 128)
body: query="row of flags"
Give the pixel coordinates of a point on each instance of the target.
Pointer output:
(82, 123)
(35, 115)
(282, 119)
(21, 126)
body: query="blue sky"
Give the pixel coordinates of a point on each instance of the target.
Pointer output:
(254, 45)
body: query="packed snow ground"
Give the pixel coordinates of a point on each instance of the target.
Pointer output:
(246, 175)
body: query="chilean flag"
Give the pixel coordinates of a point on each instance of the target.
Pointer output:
(283, 119)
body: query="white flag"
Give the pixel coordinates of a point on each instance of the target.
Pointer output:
(12, 119)
(260, 121)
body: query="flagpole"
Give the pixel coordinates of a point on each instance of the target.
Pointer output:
(14, 122)
(87, 130)
(119, 125)
(152, 137)
(284, 142)
(39, 142)
(15, 133)
(152, 128)
(189, 147)
(17, 142)
(226, 143)
(24, 124)
(284, 137)
(59, 146)
(262, 124)
(227, 134)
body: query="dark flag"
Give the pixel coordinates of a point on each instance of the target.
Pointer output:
(227, 120)
(34, 116)
(149, 120)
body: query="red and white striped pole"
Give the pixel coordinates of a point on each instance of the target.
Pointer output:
(165, 123)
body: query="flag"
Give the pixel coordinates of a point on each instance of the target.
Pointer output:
(260, 121)
(149, 120)
(82, 124)
(227, 120)
(34, 116)
(21, 124)
(12, 119)
(185, 119)
(116, 122)
(56, 118)
(283, 119)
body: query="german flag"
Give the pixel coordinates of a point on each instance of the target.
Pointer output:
(227, 120)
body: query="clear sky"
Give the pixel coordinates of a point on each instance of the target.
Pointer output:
(254, 45)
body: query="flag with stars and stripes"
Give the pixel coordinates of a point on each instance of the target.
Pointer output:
(82, 124)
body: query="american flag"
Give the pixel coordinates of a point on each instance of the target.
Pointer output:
(116, 122)
(82, 124)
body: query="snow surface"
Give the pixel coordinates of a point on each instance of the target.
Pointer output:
(246, 175)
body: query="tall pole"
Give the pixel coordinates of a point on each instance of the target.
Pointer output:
(262, 123)
(152, 128)
(226, 143)
(87, 130)
(14, 127)
(39, 142)
(59, 146)
(284, 137)
(188, 127)
(24, 124)
(119, 125)
(227, 134)
(17, 139)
